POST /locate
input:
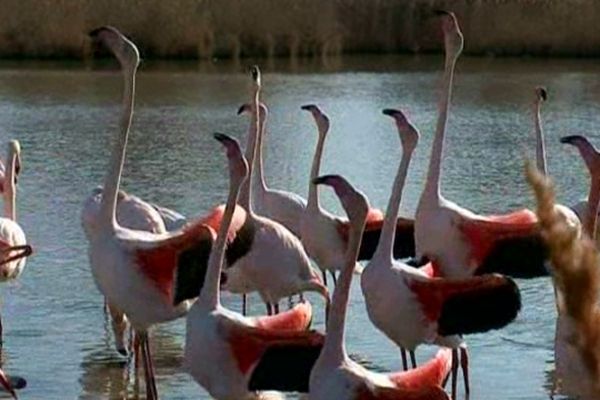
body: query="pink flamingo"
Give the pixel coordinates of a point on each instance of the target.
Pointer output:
(279, 205)
(275, 263)
(410, 307)
(459, 242)
(233, 356)
(145, 275)
(335, 375)
(14, 249)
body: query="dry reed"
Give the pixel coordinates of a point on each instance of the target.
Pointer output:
(576, 275)
(237, 28)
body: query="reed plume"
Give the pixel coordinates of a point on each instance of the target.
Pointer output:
(576, 274)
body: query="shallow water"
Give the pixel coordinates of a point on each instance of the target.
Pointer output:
(56, 334)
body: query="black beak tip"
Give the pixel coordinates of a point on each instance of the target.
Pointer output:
(122, 352)
(307, 107)
(17, 382)
(221, 137)
(389, 111)
(440, 13)
(569, 139)
(543, 93)
(255, 71)
(322, 180)
(241, 109)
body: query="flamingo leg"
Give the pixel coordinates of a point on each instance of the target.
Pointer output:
(403, 355)
(269, 308)
(276, 308)
(464, 364)
(333, 277)
(151, 393)
(244, 306)
(413, 359)
(301, 297)
(454, 372)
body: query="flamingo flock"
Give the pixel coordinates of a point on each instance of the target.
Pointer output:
(433, 280)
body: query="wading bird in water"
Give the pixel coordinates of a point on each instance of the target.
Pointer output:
(279, 205)
(335, 375)
(275, 263)
(233, 356)
(410, 307)
(14, 249)
(147, 276)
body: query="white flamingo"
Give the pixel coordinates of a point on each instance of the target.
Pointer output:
(335, 375)
(279, 205)
(275, 264)
(233, 356)
(145, 275)
(14, 249)
(459, 242)
(410, 307)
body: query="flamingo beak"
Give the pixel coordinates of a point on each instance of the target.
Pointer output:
(571, 139)
(308, 107)
(441, 13)
(389, 111)
(8, 386)
(323, 180)
(243, 108)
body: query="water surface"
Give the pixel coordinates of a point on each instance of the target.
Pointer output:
(56, 334)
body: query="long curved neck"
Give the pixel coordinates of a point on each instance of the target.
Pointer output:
(113, 176)
(386, 240)
(593, 203)
(260, 177)
(540, 149)
(9, 187)
(246, 198)
(210, 295)
(313, 190)
(249, 154)
(334, 349)
(432, 187)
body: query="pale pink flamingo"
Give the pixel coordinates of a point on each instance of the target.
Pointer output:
(14, 249)
(335, 375)
(275, 264)
(410, 307)
(325, 235)
(459, 242)
(132, 213)
(233, 356)
(279, 205)
(145, 275)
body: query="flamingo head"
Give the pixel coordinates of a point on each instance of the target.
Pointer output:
(321, 119)
(588, 152)
(409, 135)
(541, 94)
(355, 203)
(122, 48)
(453, 37)
(255, 72)
(238, 166)
(246, 108)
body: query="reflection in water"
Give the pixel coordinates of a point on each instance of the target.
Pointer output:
(65, 117)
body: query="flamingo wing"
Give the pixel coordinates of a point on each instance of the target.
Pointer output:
(483, 233)
(404, 239)
(177, 265)
(298, 318)
(463, 306)
(432, 373)
(272, 355)
(368, 392)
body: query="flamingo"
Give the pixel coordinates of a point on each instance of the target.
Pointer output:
(14, 249)
(335, 375)
(411, 307)
(279, 205)
(147, 276)
(325, 235)
(575, 262)
(233, 356)
(459, 242)
(132, 213)
(275, 265)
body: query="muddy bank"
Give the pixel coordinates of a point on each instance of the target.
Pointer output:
(239, 28)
